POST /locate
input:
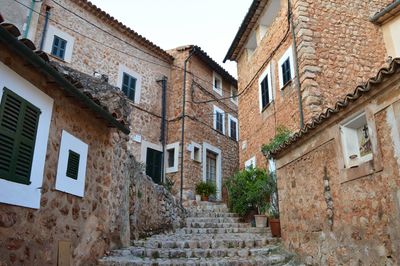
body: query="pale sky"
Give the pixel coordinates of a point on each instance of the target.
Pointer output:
(210, 24)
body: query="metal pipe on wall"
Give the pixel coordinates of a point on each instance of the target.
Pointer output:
(183, 118)
(46, 22)
(163, 135)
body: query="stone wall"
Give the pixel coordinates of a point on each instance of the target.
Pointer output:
(338, 48)
(333, 215)
(257, 128)
(110, 214)
(199, 120)
(152, 207)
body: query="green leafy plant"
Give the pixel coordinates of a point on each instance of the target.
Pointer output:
(249, 189)
(282, 135)
(206, 189)
(168, 184)
(273, 206)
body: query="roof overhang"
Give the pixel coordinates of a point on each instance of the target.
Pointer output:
(386, 14)
(203, 56)
(248, 23)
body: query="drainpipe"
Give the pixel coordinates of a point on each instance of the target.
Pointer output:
(296, 64)
(29, 18)
(163, 135)
(183, 117)
(46, 22)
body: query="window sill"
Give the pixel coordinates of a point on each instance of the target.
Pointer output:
(58, 58)
(218, 91)
(355, 172)
(287, 84)
(266, 107)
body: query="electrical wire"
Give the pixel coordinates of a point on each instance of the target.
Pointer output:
(114, 36)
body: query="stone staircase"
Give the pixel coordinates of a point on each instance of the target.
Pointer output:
(212, 236)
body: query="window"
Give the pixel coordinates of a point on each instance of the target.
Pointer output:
(286, 71)
(217, 83)
(196, 152)
(356, 141)
(11, 192)
(265, 88)
(130, 83)
(286, 68)
(18, 127)
(250, 163)
(233, 127)
(128, 86)
(59, 46)
(219, 120)
(234, 93)
(73, 164)
(172, 157)
(72, 161)
(212, 166)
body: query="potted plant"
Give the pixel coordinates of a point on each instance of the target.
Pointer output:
(205, 189)
(261, 218)
(273, 209)
(249, 190)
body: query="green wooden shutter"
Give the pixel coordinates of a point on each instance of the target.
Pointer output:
(18, 127)
(73, 164)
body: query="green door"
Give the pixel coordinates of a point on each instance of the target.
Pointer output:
(153, 165)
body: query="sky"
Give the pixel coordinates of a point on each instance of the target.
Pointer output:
(210, 24)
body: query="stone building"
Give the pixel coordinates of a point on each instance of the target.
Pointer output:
(79, 35)
(211, 126)
(345, 209)
(295, 60)
(70, 188)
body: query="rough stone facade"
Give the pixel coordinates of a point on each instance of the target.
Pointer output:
(333, 215)
(337, 48)
(199, 119)
(104, 217)
(31, 236)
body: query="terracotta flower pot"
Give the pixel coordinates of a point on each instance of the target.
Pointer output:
(204, 198)
(261, 220)
(275, 225)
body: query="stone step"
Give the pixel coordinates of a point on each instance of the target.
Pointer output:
(260, 260)
(219, 236)
(211, 214)
(218, 225)
(193, 253)
(213, 220)
(208, 243)
(254, 230)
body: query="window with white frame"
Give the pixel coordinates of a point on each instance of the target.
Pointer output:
(286, 68)
(25, 117)
(171, 157)
(234, 93)
(195, 152)
(72, 160)
(250, 163)
(233, 127)
(356, 142)
(219, 120)
(217, 83)
(130, 83)
(265, 88)
(59, 44)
